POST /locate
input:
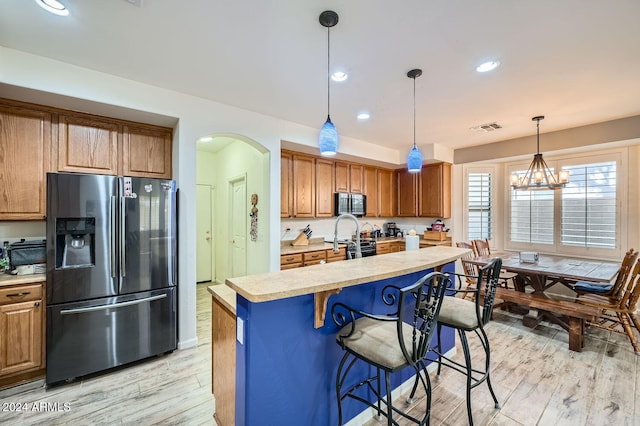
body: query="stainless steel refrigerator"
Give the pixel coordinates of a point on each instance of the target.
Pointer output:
(111, 272)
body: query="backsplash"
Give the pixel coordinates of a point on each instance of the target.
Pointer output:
(325, 227)
(14, 231)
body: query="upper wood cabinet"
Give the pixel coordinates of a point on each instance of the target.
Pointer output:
(386, 193)
(304, 186)
(342, 177)
(324, 188)
(146, 151)
(407, 189)
(349, 177)
(25, 144)
(286, 184)
(434, 191)
(425, 194)
(370, 189)
(87, 145)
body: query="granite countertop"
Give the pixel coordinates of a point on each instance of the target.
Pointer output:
(224, 295)
(8, 279)
(335, 275)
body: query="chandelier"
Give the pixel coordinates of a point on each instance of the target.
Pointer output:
(538, 175)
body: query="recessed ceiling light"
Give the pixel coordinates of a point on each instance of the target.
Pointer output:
(53, 6)
(206, 139)
(487, 66)
(339, 76)
(363, 116)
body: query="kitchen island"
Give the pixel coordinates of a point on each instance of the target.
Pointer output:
(286, 353)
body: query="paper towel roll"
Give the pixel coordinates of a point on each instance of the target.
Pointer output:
(412, 242)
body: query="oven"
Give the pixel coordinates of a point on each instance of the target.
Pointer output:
(368, 248)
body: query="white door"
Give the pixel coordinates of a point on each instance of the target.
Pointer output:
(204, 241)
(238, 215)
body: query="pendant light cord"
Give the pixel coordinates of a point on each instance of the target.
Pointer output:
(538, 136)
(414, 112)
(328, 72)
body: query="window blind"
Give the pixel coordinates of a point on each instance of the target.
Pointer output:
(479, 206)
(532, 215)
(589, 206)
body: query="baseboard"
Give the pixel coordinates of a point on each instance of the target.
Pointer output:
(186, 344)
(405, 387)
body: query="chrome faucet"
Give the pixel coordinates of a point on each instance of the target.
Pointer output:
(335, 234)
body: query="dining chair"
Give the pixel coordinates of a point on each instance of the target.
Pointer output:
(482, 248)
(470, 270)
(389, 343)
(620, 312)
(470, 316)
(613, 291)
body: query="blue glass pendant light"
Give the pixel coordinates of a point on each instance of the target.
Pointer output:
(328, 140)
(414, 161)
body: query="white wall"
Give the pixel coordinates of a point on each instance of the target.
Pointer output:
(196, 117)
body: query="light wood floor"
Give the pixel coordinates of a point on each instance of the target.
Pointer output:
(537, 379)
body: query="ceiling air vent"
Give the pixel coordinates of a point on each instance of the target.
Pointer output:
(135, 2)
(488, 127)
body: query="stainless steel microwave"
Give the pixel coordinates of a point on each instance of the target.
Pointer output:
(346, 202)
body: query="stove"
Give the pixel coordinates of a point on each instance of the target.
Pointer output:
(368, 248)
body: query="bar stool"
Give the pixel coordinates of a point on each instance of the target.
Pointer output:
(470, 316)
(390, 344)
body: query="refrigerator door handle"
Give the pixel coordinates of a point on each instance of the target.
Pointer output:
(123, 238)
(115, 305)
(112, 241)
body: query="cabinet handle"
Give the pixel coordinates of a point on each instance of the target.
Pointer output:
(19, 294)
(37, 304)
(289, 259)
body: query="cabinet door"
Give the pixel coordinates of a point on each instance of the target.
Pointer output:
(386, 193)
(435, 191)
(407, 194)
(324, 188)
(286, 185)
(146, 152)
(25, 137)
(21, 337)
(304, 186)
(371, 190)
(356, 178)
(87, 145)
(342, 177)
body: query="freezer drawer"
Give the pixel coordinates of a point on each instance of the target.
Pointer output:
(91, 336)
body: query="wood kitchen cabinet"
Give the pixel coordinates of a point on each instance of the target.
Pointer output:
(349, 177)
(146, 151)
(407, 190)
(286, 184)
(325, 179)
(386, 193)
(425, 194)
(370, 189)
(25, 144)
(304, 186)
(88, 145)
(434, 191)
(22, 337)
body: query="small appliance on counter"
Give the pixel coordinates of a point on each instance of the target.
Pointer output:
(391, 229)
(28, 257)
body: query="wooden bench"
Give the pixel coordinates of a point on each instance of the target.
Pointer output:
(568, 314)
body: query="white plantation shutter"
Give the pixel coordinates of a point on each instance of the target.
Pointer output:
(589, 206)
(532, 216)
(479, 205)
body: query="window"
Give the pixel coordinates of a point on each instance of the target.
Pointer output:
(532, 216)
(589, 206)
(583, 218)
(479, 205)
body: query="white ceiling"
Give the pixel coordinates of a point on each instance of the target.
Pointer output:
(575, 61)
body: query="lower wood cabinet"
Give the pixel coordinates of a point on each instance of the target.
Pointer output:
(223, 362)
(289, 261)
(22, 314)
(314, 257)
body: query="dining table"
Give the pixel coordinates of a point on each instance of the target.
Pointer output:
(536, 288)
(551, 269)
